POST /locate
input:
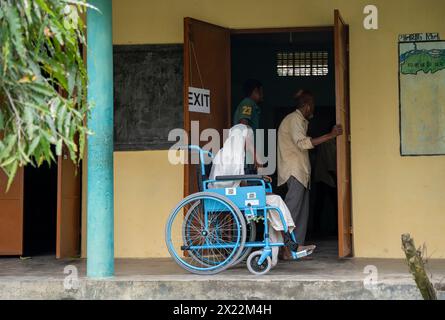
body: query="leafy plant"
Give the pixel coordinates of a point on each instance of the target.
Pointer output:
(43, 82)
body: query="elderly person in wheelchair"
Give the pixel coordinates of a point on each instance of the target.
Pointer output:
(231, 160)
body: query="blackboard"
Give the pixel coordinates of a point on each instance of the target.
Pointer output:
(148, 82)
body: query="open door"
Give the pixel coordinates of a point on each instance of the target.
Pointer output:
(206, 66)
(343, 141)
(11, 214)
(68, 208)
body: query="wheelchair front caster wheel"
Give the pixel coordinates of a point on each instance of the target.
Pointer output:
(254, 267)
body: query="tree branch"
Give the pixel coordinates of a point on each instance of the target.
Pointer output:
(417, 268)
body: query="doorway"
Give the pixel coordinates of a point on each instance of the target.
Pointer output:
(40, 210)
(285, 62)
(214, 60)
(40, 214)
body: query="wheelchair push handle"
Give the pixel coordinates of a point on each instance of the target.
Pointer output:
(201, 152)
(196, 148)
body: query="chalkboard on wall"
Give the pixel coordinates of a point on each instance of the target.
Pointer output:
(148, 97)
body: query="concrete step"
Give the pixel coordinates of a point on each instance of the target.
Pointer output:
(263, 288)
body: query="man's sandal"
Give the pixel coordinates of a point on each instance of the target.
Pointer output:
(288, 242)
(293, 246)
(309, 250)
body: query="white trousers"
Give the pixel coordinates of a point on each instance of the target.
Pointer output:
(275, 224)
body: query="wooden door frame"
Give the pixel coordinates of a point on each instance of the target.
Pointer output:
(186, 75)
(345, 247)
(60, 196)
(329, 28)
(59, 253)
(19, 180)
(247, 31)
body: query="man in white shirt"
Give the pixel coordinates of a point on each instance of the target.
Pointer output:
(294, 167)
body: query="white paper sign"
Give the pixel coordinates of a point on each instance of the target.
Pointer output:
(199, 100)
(413, 37)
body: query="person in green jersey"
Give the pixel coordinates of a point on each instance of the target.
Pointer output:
(248, 113)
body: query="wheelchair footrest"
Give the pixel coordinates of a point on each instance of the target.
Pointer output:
(301, 254)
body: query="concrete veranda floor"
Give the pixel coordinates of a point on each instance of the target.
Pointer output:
(323, 277)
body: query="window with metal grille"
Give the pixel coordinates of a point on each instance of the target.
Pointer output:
(297, 64)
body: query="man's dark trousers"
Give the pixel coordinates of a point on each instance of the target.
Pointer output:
(297, 200)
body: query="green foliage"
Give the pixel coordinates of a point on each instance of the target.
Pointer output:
(42, 82)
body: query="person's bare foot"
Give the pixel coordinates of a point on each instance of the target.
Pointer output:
(285, 254)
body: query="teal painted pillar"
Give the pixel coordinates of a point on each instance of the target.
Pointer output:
(100, 207)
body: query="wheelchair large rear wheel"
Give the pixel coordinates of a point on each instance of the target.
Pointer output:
(250, 237)
(205, 233)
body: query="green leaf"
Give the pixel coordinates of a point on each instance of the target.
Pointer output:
(34, 144)
(61, 117)
(2, 121)
(11, 141)
(6, 53)
(59, 147)
(29, 121)
(16, 29)
(27, 7)
(11, 174)
(82, 3)
(8, 161)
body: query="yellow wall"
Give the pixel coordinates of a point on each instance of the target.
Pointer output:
(391, 194)
(146, 189)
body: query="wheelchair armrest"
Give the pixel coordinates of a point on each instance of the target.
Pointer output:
(246, 177)
(241, 177)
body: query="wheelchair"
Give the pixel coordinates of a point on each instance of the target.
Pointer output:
(215, 229)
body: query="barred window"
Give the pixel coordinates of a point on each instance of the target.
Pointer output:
(297, 64)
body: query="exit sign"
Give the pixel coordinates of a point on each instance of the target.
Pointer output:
(199, 100)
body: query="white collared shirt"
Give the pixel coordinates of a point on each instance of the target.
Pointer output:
(293, 146)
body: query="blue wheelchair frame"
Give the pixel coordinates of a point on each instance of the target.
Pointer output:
(250, 200)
